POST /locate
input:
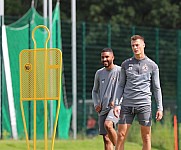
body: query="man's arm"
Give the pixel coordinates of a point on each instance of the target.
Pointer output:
(157, 94)
(120, 87)
(95, 92)
(119, 92)
(157, 89)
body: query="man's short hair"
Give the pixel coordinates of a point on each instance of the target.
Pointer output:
(136, 37)
(107, 50)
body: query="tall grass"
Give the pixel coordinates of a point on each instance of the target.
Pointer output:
(162, 133)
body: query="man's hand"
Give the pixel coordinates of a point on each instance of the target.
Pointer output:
(98, 108)
(111, 104)
(159, 115)
(116, 111)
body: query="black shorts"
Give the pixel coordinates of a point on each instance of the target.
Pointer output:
(143, 113)
(109, 116)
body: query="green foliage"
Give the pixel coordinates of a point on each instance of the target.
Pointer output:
(134, 133)
(164, 14)
(154, 13)
(6, 134)
(12, 7)
(162, 133)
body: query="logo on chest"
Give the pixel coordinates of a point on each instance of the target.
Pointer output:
(103, 80)
(111, 79)
(130, 67)
(145, 68)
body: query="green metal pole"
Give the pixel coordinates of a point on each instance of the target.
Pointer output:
(84, 73)
(157, 45)
(109, 35)
(1, 77)
(179, 82)
(133, 29)
(29, 102)
(154, 108)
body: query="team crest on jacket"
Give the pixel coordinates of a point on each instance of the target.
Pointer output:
(130, 67)
(145, 67)
(103, 80)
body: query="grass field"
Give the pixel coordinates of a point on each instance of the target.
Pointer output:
(86, 144)
(162, 139)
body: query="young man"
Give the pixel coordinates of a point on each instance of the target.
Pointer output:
(103, 94)
(139, 75)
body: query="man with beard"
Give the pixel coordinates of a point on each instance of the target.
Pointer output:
(103, 94)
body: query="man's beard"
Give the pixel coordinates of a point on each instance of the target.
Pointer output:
(106, 64)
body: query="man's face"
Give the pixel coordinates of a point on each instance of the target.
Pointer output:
(138, 46)
(107, 59)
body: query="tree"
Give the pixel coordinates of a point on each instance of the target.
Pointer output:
(154, 13)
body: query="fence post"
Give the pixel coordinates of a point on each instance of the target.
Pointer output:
(109, 35)
(1, 77)
(157, 45)
(84, 74)
(179, 81)
(29, 102)
(133, 30)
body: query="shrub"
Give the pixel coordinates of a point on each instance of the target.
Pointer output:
(163, 132)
